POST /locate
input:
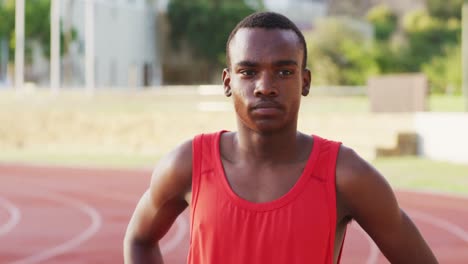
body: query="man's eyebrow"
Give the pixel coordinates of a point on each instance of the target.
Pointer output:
(246, 63)
(285, 63)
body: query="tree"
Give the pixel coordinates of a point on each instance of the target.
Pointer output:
(445, 71)
(37, 23)
(445, 9)
(37, 26)
(340, 54)
(205, 24)
(427, 36)
(384, 21)
(7, 18)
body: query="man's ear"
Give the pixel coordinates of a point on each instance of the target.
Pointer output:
(306, 79)
(227, 82)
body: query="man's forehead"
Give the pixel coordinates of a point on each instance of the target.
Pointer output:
(259, 44)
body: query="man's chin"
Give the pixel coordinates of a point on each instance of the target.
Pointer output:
(268, 126)
(264, 125)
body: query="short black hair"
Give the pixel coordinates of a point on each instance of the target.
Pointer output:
(268, 20)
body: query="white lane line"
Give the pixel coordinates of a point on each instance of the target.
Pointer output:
(95, 225)
(373, 249)
(440, 223)
(13, 220)
(451, 228)
(181, 222)
(181, 229)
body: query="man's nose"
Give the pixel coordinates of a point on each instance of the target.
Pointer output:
(266, 86)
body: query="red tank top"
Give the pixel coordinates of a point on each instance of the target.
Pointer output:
(298, 227)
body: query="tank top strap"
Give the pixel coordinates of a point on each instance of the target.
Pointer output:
(326, 172)
(197, 149)
(328, 152)
(202, 158)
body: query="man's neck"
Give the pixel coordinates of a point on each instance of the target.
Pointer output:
(276, 147)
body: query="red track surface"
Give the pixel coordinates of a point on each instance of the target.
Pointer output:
(77, 215)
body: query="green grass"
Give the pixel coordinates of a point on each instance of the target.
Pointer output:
(424, 174)
(447, 103)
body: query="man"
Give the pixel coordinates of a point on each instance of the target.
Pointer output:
(268, 193)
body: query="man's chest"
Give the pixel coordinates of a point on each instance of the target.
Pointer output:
(300, 220)
(261, 184)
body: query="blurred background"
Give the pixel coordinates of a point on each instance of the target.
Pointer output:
(94, 92)
(131, 79)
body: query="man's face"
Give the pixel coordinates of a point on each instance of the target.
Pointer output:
(266, 78)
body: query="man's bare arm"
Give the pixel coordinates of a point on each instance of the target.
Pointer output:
(159, 206)
(370, 200)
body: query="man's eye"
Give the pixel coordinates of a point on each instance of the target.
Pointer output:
(247, 72)
(285, 72)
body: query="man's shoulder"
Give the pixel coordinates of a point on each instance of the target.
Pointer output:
(178, 161)
(350, 162)
(180, 158)
(357, 181)
(183, 151)
(353, 172)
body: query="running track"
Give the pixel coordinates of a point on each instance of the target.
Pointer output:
(79, 215)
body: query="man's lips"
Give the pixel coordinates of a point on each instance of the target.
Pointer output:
(266, 105)
(266, 108)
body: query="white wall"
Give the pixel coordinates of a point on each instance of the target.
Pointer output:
(125, 40)
(444, 136)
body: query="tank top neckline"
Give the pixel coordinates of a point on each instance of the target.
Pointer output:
(273, 204)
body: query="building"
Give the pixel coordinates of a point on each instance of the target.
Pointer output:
(125, 42)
